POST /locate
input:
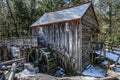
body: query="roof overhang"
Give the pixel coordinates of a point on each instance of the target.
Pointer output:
(65, 15)
(56, 23)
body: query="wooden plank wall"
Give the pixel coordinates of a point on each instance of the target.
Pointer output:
(72, 39)
(67, 39)
(89, 24)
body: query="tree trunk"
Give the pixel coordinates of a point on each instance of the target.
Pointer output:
(15, 24)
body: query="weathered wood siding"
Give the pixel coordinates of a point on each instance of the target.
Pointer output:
(89, 25)
(71, 39)
(67, 39)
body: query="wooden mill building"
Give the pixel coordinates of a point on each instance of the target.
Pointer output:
(69, 31)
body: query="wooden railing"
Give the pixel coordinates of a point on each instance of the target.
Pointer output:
(29, 41)
(105, 50)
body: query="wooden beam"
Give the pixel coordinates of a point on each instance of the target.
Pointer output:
(12, 61)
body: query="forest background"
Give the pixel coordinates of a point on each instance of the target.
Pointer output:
(16, 16)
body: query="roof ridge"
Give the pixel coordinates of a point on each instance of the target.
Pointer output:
(82, 3)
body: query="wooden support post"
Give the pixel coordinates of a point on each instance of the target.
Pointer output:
(0, 54)
(108, 67)
(92, 59)
(37, 54)
(80, 47)
(104, 51)
(101, 49)
(5, 54)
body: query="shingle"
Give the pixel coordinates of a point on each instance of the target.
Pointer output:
(62, 15)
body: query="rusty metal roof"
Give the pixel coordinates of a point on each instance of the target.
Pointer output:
(62, 15)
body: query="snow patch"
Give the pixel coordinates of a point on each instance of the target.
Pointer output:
(117, 51)
(94, 71)
(105, 63)
(109, 55)
(117, 69)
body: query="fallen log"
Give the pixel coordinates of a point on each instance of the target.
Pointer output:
(112, 73)
(12, 61)
(12, 72)
(108, 78)
(111, 76)
(38, 76)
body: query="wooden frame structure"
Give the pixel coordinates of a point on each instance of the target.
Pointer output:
(69, 33)
(29, 41)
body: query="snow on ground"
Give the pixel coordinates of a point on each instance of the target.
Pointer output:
(110, 55)
(94, 71)
(117, 51)
(105, 63)
(119, 61)
(117, 69)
